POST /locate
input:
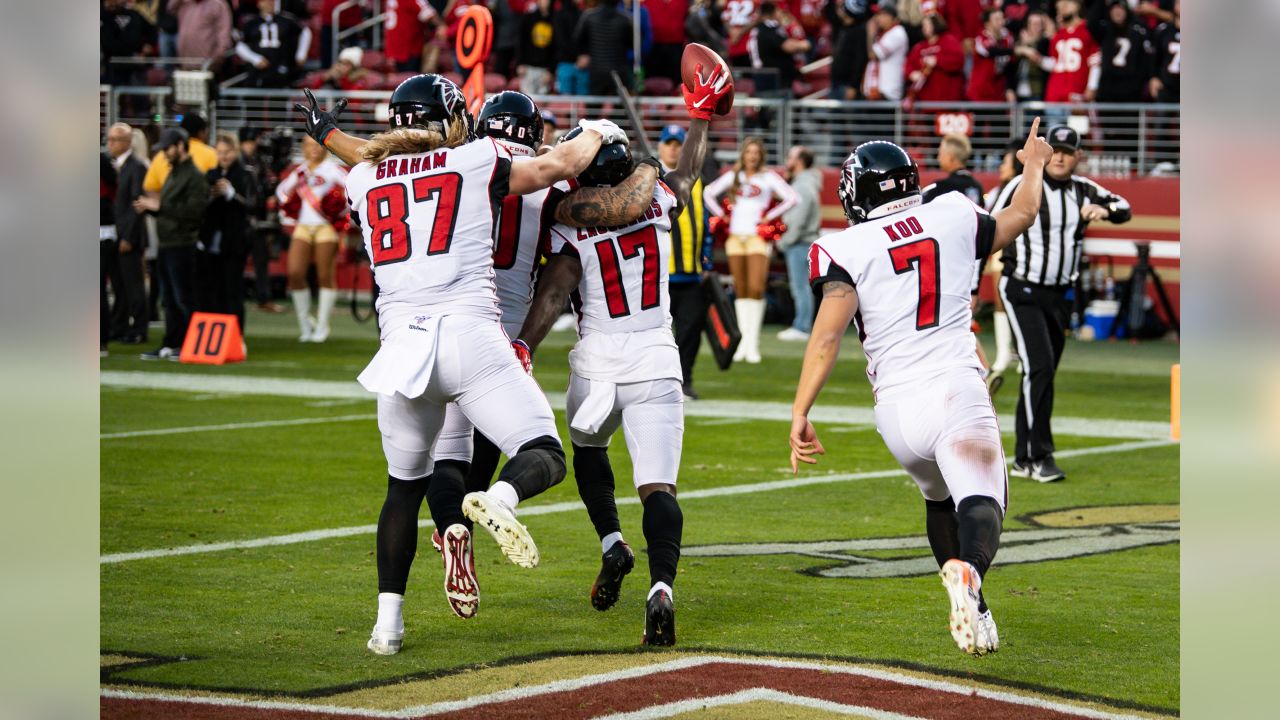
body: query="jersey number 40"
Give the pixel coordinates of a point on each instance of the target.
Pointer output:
(389, 236)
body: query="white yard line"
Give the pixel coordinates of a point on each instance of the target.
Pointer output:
(733, 409)
(560, 507)
(235, 426)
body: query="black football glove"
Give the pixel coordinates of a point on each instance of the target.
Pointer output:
(320, 123)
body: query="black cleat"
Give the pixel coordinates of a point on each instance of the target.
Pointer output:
(1046, 471)
(660, 620)
(1020, 468)
(614, 565)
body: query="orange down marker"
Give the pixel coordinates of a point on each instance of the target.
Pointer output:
(212, 339)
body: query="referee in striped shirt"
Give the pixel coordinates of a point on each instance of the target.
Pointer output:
(1039, 269)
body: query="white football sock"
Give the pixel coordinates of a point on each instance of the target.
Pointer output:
(390, 612)
(504, 491)
(302, 306)
(1004, 342)
(661, 586)
(328, 297)
(608, 540)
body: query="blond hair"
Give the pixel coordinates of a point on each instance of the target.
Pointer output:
(741, 165)
(959, 147)
(410, 141)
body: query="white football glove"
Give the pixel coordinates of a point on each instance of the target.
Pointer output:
(610, 132)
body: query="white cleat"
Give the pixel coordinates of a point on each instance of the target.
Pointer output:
(962, 584)
(460, 586)
(988, 639)
(308, 329)
(490, 513)
(385, 643)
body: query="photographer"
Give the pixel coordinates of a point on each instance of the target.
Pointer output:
(223, 235)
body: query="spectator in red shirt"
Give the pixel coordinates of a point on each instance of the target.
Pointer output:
(667, 19)
(409, 25)
(935, 67)
(346, 73)
(991, 53)
(1074, 62)
(964, 21)
(738, 16)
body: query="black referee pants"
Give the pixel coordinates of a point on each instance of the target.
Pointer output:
(1038, 315)
(688, 315)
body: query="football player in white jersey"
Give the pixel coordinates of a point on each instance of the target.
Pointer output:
(464, 458)
(902, 273)
(626, 366)
(427, 201)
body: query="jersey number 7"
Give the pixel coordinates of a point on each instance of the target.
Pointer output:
(922, 256)
(388, 210)
(640, 242)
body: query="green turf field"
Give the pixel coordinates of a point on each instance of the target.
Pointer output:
(293, 618)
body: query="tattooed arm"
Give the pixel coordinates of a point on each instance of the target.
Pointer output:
(839, 303)
(609, 206)
(559, 277)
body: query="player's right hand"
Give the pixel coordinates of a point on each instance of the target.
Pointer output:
(320, 123)
(1036, 149)
(610, 132)
(707, 90)
(804, 443)
(523, 354)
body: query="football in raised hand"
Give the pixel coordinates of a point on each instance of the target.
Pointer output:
(696, 55)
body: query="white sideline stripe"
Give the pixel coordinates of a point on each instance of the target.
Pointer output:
(236, 426)
(628, 673)
(754, 695)
(255, 704)
(737, 409)
(553, 508)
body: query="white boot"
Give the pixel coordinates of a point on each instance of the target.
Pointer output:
(328, 297)
(740, 309)
(751, 331)
(302, 306)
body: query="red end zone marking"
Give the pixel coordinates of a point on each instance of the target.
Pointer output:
(596, 696)
(722, 678)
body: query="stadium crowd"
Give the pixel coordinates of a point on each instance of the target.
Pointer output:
(901, 50)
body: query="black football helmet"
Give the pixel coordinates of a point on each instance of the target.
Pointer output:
(612, 164)
(511, 116)
(876, 179)
(423, 100)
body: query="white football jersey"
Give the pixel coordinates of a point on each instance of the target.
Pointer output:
(751, 206)
(524, 226)
(428, 222)
(913, 271)
(622, 302)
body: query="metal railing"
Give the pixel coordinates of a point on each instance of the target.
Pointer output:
(1118, 139)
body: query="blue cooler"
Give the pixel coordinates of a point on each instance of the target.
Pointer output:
(1099, 318)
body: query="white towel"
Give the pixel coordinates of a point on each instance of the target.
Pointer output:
(595, 408)
(404, 366)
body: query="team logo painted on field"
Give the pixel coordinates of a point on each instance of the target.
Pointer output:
(1057, 535)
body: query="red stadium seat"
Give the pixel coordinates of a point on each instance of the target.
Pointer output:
(659, 86)
(374, 60)
(391, 80)
(494, 82)
(157, 76)
(314, 80)
(744, 86)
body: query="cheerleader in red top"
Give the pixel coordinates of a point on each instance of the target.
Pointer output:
(745, 197)
(312, 197)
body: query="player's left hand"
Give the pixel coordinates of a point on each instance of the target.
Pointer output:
(1092, 212)
(804, 443)
(610, 132)
(320, 123)
(523, 354)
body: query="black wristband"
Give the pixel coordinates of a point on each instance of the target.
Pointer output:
(653, 162)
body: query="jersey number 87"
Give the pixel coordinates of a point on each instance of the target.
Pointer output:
(389, 237)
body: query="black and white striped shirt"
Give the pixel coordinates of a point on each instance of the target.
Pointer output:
(1049, 251)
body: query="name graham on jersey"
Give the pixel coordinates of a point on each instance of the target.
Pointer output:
(408, 166)
(654, 212)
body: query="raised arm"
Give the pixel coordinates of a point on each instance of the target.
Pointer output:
(559, 277)
(1024, 207)
(610, 206)
(694, 151)
(322, 126)
(566, 160)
